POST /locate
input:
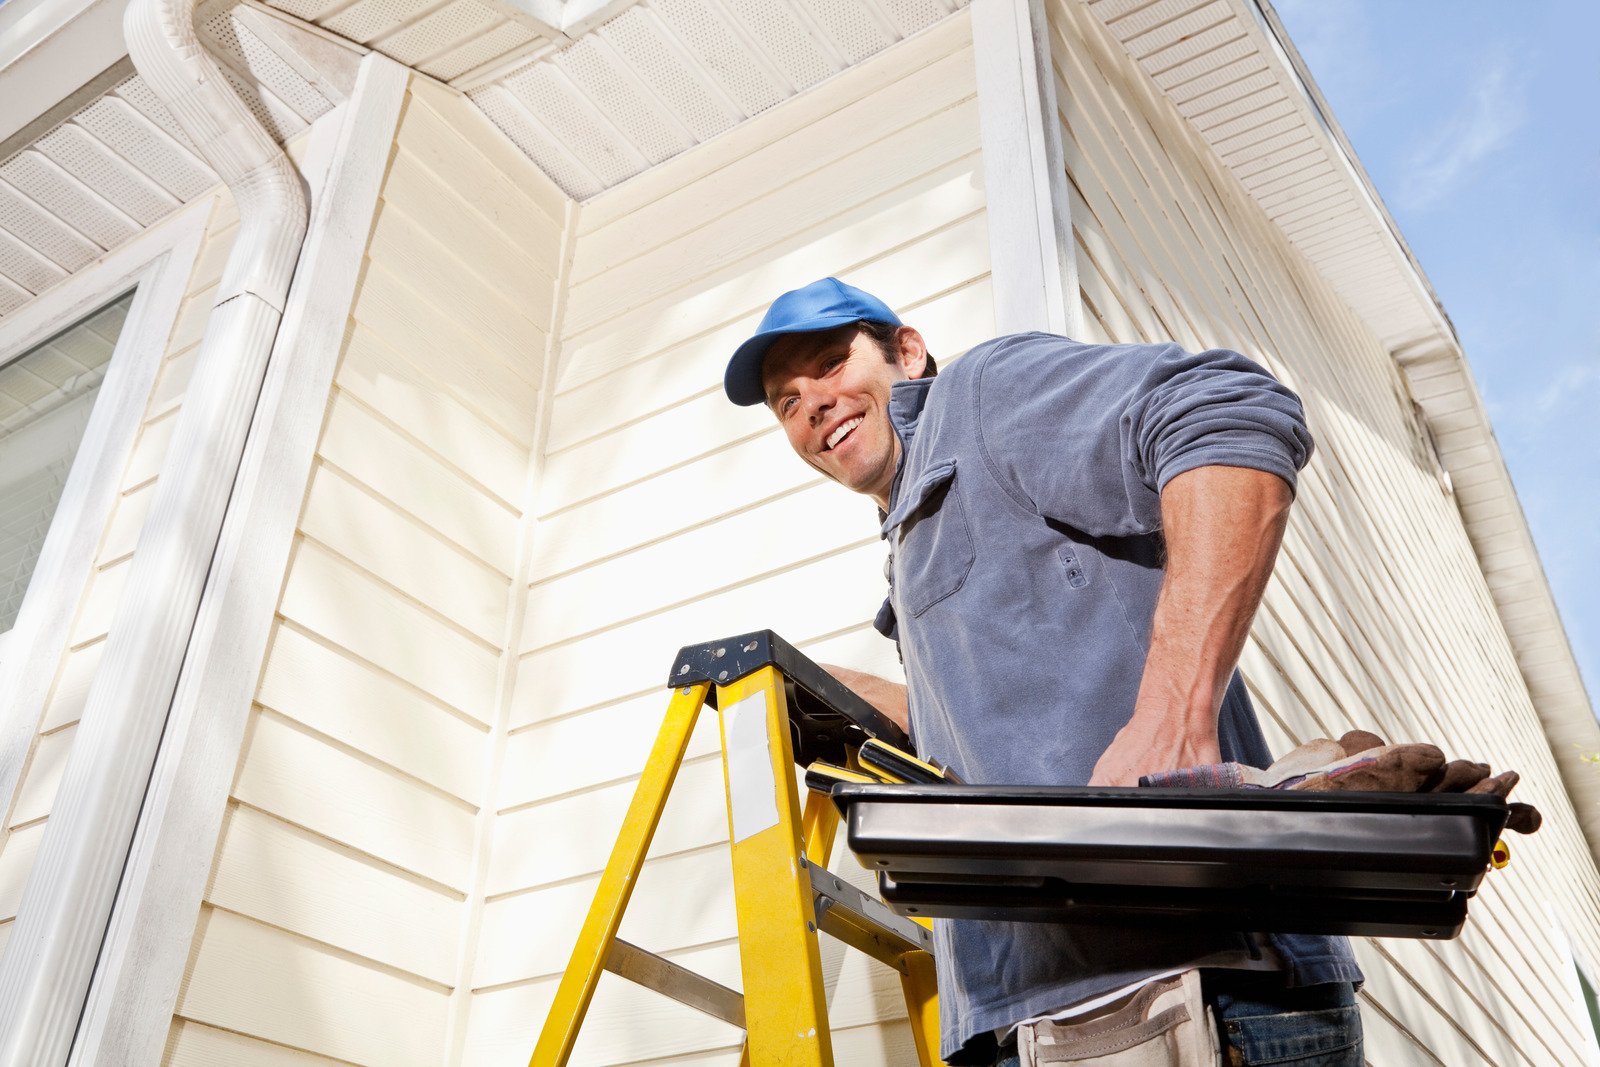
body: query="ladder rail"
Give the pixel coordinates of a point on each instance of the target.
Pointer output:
(599, 930)
(785, 1003)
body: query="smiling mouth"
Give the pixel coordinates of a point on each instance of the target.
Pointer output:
(840, 432)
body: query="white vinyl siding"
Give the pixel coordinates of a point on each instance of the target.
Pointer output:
(666, 516)
(333, 924)
(1378, 615)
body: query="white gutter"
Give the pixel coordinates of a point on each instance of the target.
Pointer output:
(50, 958)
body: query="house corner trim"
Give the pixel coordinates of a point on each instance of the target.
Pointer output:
(1035, 274)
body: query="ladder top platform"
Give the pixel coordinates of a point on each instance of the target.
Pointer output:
(826, 719)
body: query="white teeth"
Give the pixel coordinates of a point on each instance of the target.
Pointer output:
(843, 428)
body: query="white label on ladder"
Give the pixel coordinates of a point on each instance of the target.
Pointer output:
(752, 789)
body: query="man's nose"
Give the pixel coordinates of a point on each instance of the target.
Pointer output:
(817, 400)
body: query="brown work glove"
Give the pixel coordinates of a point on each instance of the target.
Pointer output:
(1360, 741)
(1391, 769)
(1525, 818)
(1361, 761)
(1315, 756)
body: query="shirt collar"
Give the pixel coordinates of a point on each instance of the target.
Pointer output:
(906, 401)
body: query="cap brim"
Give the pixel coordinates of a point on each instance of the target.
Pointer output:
(742, 381)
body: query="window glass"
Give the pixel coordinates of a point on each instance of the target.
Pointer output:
(1590, 1001)
(45, 398)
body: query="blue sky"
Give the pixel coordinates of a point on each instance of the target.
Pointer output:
(1477, 121)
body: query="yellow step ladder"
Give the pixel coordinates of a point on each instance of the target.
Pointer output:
(775, 706)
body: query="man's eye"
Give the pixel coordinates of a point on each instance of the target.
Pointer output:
(786, 405)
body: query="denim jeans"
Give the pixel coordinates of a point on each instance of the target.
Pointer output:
(1260, 1022)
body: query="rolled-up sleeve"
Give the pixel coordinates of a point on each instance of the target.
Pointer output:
(1091, 434)
(1213, 408)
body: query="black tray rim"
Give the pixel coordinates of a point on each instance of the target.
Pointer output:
(1483, 805)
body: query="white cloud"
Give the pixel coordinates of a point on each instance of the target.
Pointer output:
(1567, 386)
(1483, 125)
(1526, 416)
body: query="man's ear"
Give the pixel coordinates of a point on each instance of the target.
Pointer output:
(913, 351)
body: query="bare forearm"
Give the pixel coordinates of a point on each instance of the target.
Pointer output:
(888, 697)
(1223, 527)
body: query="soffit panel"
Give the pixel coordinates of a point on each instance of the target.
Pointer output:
(1196, 59)
(665, 75)
(1213, 61)
(445, 39)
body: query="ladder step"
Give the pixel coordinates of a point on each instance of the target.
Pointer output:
(864, 922)
(681, 984)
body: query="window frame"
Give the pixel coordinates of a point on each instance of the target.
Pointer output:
(1576, 974)
(8, 356)
(156, 267)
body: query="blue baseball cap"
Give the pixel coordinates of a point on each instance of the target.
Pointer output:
(822, 305)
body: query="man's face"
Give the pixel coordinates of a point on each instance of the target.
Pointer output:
(830, 392)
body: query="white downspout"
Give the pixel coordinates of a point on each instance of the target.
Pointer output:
(50, 958)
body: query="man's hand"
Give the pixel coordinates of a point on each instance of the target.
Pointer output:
(1223, 526)
(888, 697)
(1150, 743)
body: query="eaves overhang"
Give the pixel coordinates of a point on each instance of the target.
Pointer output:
(592, 91)
(88, 172)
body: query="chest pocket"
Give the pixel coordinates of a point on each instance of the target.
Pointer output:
(929, 541)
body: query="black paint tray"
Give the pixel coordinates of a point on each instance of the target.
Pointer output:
(1369, 864)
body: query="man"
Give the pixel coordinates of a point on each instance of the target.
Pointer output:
(1079, 537)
